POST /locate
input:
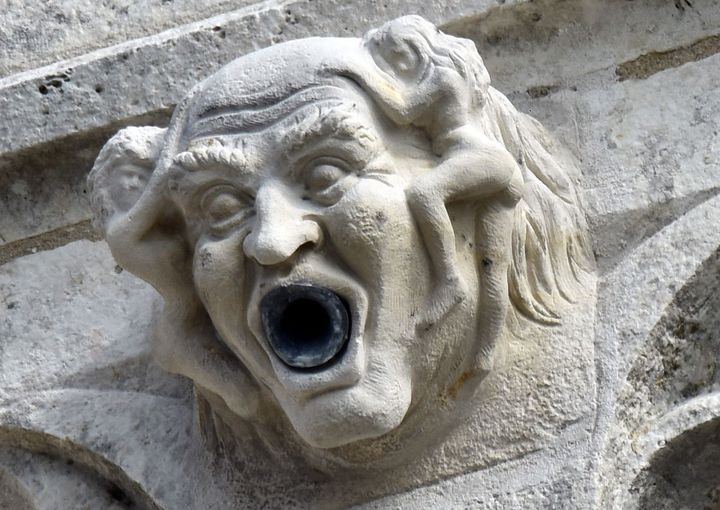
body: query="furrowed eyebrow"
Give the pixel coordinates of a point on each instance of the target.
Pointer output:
(335, 121)
(213, 157)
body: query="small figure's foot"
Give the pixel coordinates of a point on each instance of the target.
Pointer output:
(452, 292)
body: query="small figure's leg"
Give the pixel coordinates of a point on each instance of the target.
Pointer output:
(429, 209)
(468, 174)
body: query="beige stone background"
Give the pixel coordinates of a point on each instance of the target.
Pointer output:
(630, 86)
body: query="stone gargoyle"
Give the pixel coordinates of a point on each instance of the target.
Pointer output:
(345, 233)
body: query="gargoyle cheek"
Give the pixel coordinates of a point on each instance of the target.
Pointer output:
(219, 273)
(370, 225)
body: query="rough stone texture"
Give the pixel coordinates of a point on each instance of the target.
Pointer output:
(150, 74)
(645, 160)
(57, 117)
(521, 45)
(520, 42)
(48, 482)
(351, 218)
(13, 495)
(90, 91)
(61, 29)
(649, 149)
(66, 356)
(43, 189)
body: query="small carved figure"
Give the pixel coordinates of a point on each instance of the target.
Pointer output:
(122, 170)
(439, 83)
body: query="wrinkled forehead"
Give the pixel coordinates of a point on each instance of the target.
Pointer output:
(261, 89)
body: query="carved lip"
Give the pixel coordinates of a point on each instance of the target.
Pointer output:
(347, 366)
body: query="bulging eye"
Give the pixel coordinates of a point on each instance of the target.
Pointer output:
(223, 205)
(323, 176)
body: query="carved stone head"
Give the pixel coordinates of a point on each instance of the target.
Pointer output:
(341, 230)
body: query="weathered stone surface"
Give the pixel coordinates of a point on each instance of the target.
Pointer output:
(88, 393)
(353, 171)
(50, 300)
(34, 34)
(149, 74)
(13, 494)
(522, 45)
(525, 45)
(90, 91)
(649, 149)
(76, 380)
(55, 116)
(628, 86)
(665, 362)
(43, 189)
(50, 483)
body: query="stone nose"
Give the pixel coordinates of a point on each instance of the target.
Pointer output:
(281, 226)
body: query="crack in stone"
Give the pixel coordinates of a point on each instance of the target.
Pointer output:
(651, 63)
(541, 91)
(48, 241)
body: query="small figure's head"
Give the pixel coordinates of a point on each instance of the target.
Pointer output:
(122, 170)
(413, 51)
(298, 271)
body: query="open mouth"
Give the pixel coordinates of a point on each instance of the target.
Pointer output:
(307, 327)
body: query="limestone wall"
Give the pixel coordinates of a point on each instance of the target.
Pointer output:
(629, 87)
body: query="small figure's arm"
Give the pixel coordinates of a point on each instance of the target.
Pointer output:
(136, 230)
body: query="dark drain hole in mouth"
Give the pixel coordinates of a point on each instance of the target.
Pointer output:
(306, 326)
